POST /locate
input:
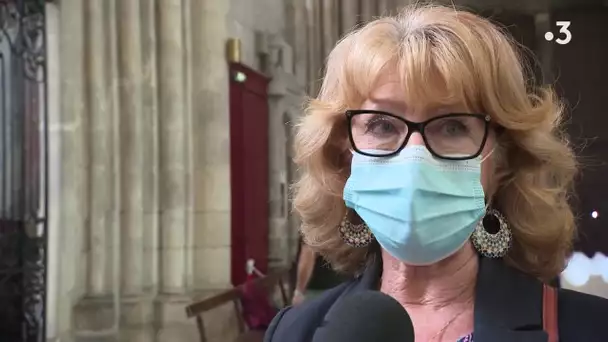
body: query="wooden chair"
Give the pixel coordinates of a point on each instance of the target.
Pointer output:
(267, 283)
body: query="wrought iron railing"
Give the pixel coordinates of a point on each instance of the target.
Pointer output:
(23, 171)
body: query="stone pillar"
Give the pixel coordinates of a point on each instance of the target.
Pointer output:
(310, 47)
(151, 140)
(399, 4)
(299, 43)
(330, 29)
(131, 142)
(281, 89)
(367, 10)
(53, 93)
(293, 221)
(384, 7)
(101, 139)
(211, 144)
(68, 188)
(189, 244)
(350, 15)
(172, 145)
(317, 56)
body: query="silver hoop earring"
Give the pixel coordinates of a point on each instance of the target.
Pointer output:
(490, 242)
(355, 235)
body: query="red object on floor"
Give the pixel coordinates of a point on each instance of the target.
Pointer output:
(258, 311)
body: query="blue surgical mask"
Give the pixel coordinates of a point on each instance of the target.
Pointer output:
(420, 209)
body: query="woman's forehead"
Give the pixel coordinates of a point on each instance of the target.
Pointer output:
(390, 94)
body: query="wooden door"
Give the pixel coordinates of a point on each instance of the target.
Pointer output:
(249, 169)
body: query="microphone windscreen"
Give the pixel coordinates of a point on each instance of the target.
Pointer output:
(367, 316)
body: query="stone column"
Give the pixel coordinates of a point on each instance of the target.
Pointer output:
(330, 29)
(310, 47)
(299, 27)
(101, 139)
(350, 15)
(188, 121)
(293, 221)
(211, 144)
(367, 10)
(399, 4)
(73, 177)
(172, 145)
(131, 142)
(53, 93)
(384, 7)
(316, 43)
(279, 91)
(99, 309)
(151, 148)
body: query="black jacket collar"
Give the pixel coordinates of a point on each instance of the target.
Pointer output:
(508, 303)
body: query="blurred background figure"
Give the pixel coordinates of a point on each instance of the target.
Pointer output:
(312, 275)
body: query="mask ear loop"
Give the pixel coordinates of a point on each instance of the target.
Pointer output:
(480, 162)
(487, 155)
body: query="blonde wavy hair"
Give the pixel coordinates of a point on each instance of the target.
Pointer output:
(476, 63)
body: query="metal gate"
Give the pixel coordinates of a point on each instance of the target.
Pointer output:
(23, 171)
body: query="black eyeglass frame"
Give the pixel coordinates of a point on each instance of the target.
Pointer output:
(419, 127)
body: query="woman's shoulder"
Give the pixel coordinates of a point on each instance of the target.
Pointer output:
(582, 317)
(298, 323)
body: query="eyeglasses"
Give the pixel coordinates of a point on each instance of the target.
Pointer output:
(456, 136)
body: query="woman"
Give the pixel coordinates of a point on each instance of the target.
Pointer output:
(434, 173)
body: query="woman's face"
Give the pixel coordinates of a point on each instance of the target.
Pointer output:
(388, 97)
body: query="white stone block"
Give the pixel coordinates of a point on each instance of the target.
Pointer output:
(212, 267)
(213, 188)
(212, 229)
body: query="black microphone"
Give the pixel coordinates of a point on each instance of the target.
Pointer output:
(369, 316)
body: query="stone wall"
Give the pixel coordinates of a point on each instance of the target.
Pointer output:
(138, 97)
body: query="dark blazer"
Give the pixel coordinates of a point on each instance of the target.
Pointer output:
(508, 308)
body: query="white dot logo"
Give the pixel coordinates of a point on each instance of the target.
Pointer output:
(549, 36)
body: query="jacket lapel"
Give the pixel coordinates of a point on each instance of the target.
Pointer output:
(508, 305)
